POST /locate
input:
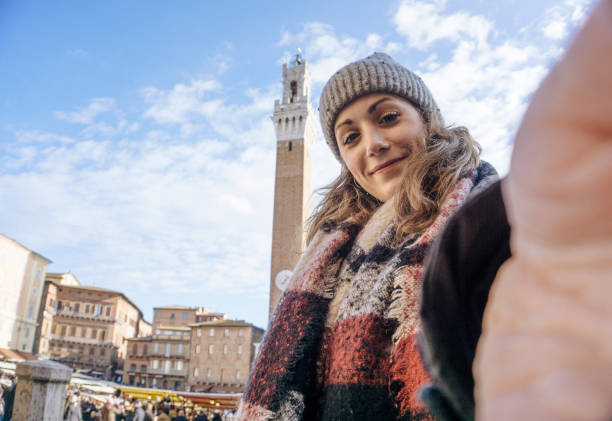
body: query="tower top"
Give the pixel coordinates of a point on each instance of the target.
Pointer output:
(296, 81)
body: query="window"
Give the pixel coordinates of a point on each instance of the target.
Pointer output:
(63, 331)
(108, 309)
(81, 350)
(94, 333)
(167, 366)
(197, 350)
(208, 372)
(34, 291)
(239, 332)
(184, 316)
(31, 311)
(102, 352)
(135, 351)
(172, 316)
(27, 332)
(224, 349)
(91, 350)
(225, 332)
(77, 307)
(155, 347)
(239, 349)
(72, 331)
(211, 348)
(159, 314)
(168, 346)
(145, 349)
(154, 364)
(98, 309)
(199, 332)
(180, 348)
(86, 308)
(195, 372)
(179, 365)
(211, 332)
(238, 374)
(102, 334)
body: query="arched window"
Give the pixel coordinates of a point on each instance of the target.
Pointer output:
(292, 91)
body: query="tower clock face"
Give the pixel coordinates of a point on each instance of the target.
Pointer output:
(282, 279)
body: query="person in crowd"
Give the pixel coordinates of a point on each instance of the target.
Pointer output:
(216, 416)
(149, 414)
(164, 414)
(73, 411)
(87, 408)
(201, 416)
(342, 342)
(139, 412)
(8, 396)
(180, 416)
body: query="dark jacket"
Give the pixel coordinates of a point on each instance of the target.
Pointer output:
(461, 267)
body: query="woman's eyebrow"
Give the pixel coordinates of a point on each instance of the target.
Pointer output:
(347, 121)
(373, 106)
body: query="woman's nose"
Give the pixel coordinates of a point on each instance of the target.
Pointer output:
(375, 142)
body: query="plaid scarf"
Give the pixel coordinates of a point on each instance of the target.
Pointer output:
(342, 344)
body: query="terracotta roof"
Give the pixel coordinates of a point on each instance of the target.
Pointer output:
(15, 355)
(224, 323)
(98, 289)
(175, 307)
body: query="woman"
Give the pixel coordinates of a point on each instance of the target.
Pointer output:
(342, 343)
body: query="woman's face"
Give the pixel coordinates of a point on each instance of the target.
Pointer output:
(375, 135)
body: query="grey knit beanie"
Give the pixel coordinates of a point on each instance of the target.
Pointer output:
(376, 73)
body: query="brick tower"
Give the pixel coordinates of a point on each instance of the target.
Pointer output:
(294, 123)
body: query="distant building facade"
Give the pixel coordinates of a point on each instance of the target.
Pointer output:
(22, 277)
(222, 352)
(87, 327)
(192, 349)
(161, 359)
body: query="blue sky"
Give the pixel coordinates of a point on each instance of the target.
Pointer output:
(136, 147)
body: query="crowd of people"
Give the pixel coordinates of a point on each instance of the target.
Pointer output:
(83, 407)
(122, 408)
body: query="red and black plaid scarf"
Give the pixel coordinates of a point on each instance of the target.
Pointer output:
(342, 341)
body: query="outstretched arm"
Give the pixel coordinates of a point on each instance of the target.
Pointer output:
(546, 348)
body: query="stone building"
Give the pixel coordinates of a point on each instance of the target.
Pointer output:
(222, 352)
(87, 327)
(295, 131)
(22, 277)
(161, 360)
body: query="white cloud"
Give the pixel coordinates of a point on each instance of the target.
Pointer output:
(36, 136)
(180, 104)
(87, 114)
(423, 23)
(558, 19)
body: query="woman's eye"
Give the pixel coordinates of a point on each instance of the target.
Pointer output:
(350, 138)
(389, 117)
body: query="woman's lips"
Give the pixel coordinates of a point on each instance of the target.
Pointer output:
(387, 166)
